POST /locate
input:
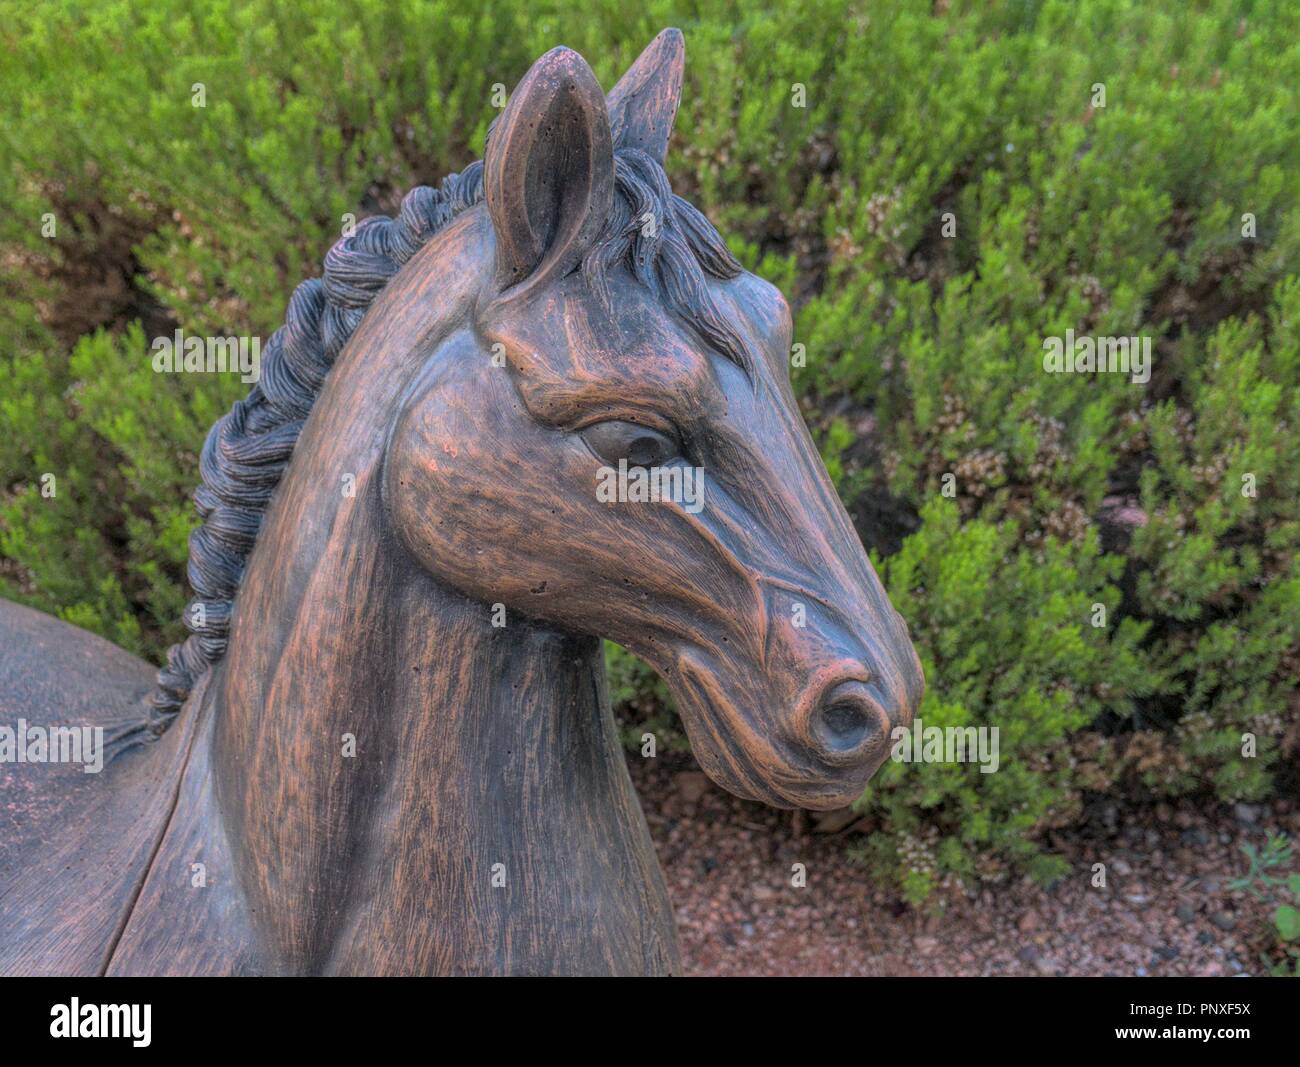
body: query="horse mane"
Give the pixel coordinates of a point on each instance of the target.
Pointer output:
(668, 245)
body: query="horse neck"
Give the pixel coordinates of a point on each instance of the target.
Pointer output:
(394, 750)
(339, 634)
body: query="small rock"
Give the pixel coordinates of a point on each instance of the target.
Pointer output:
(1246, 813)
(763, 892)
(1185, 913)
(1223, 920)
(1121, 866)
(1045, 965)
(1028, 922)
(1028, 954)
(832, 822)
(692, 785)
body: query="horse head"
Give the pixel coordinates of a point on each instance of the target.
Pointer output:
(616, 333)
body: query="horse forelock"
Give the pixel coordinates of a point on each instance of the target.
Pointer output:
(668, 245)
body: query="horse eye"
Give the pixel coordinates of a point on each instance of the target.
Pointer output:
(639, 445)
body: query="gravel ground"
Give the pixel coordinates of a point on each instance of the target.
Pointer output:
(1165, 911)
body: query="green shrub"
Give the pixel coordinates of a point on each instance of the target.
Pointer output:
(1271, 880)
(952, 195)
(1007, 641)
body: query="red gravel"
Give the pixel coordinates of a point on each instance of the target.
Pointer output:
(1166, 910)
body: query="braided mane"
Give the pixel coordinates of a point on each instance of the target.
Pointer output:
(667, 243)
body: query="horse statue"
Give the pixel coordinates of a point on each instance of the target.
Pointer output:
(387, 745)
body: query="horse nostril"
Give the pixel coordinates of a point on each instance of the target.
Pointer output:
(849, 722)
(846, 725)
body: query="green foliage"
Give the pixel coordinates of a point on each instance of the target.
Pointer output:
(1007, 642)
(1271, 880)
(952, 195)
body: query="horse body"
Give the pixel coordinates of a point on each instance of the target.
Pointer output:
(75, 847)
(464, 768)
(374, 774)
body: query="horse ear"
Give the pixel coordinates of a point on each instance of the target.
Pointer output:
(548, 174)
(643, 105)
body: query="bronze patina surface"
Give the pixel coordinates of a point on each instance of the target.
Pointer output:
(387, 747)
